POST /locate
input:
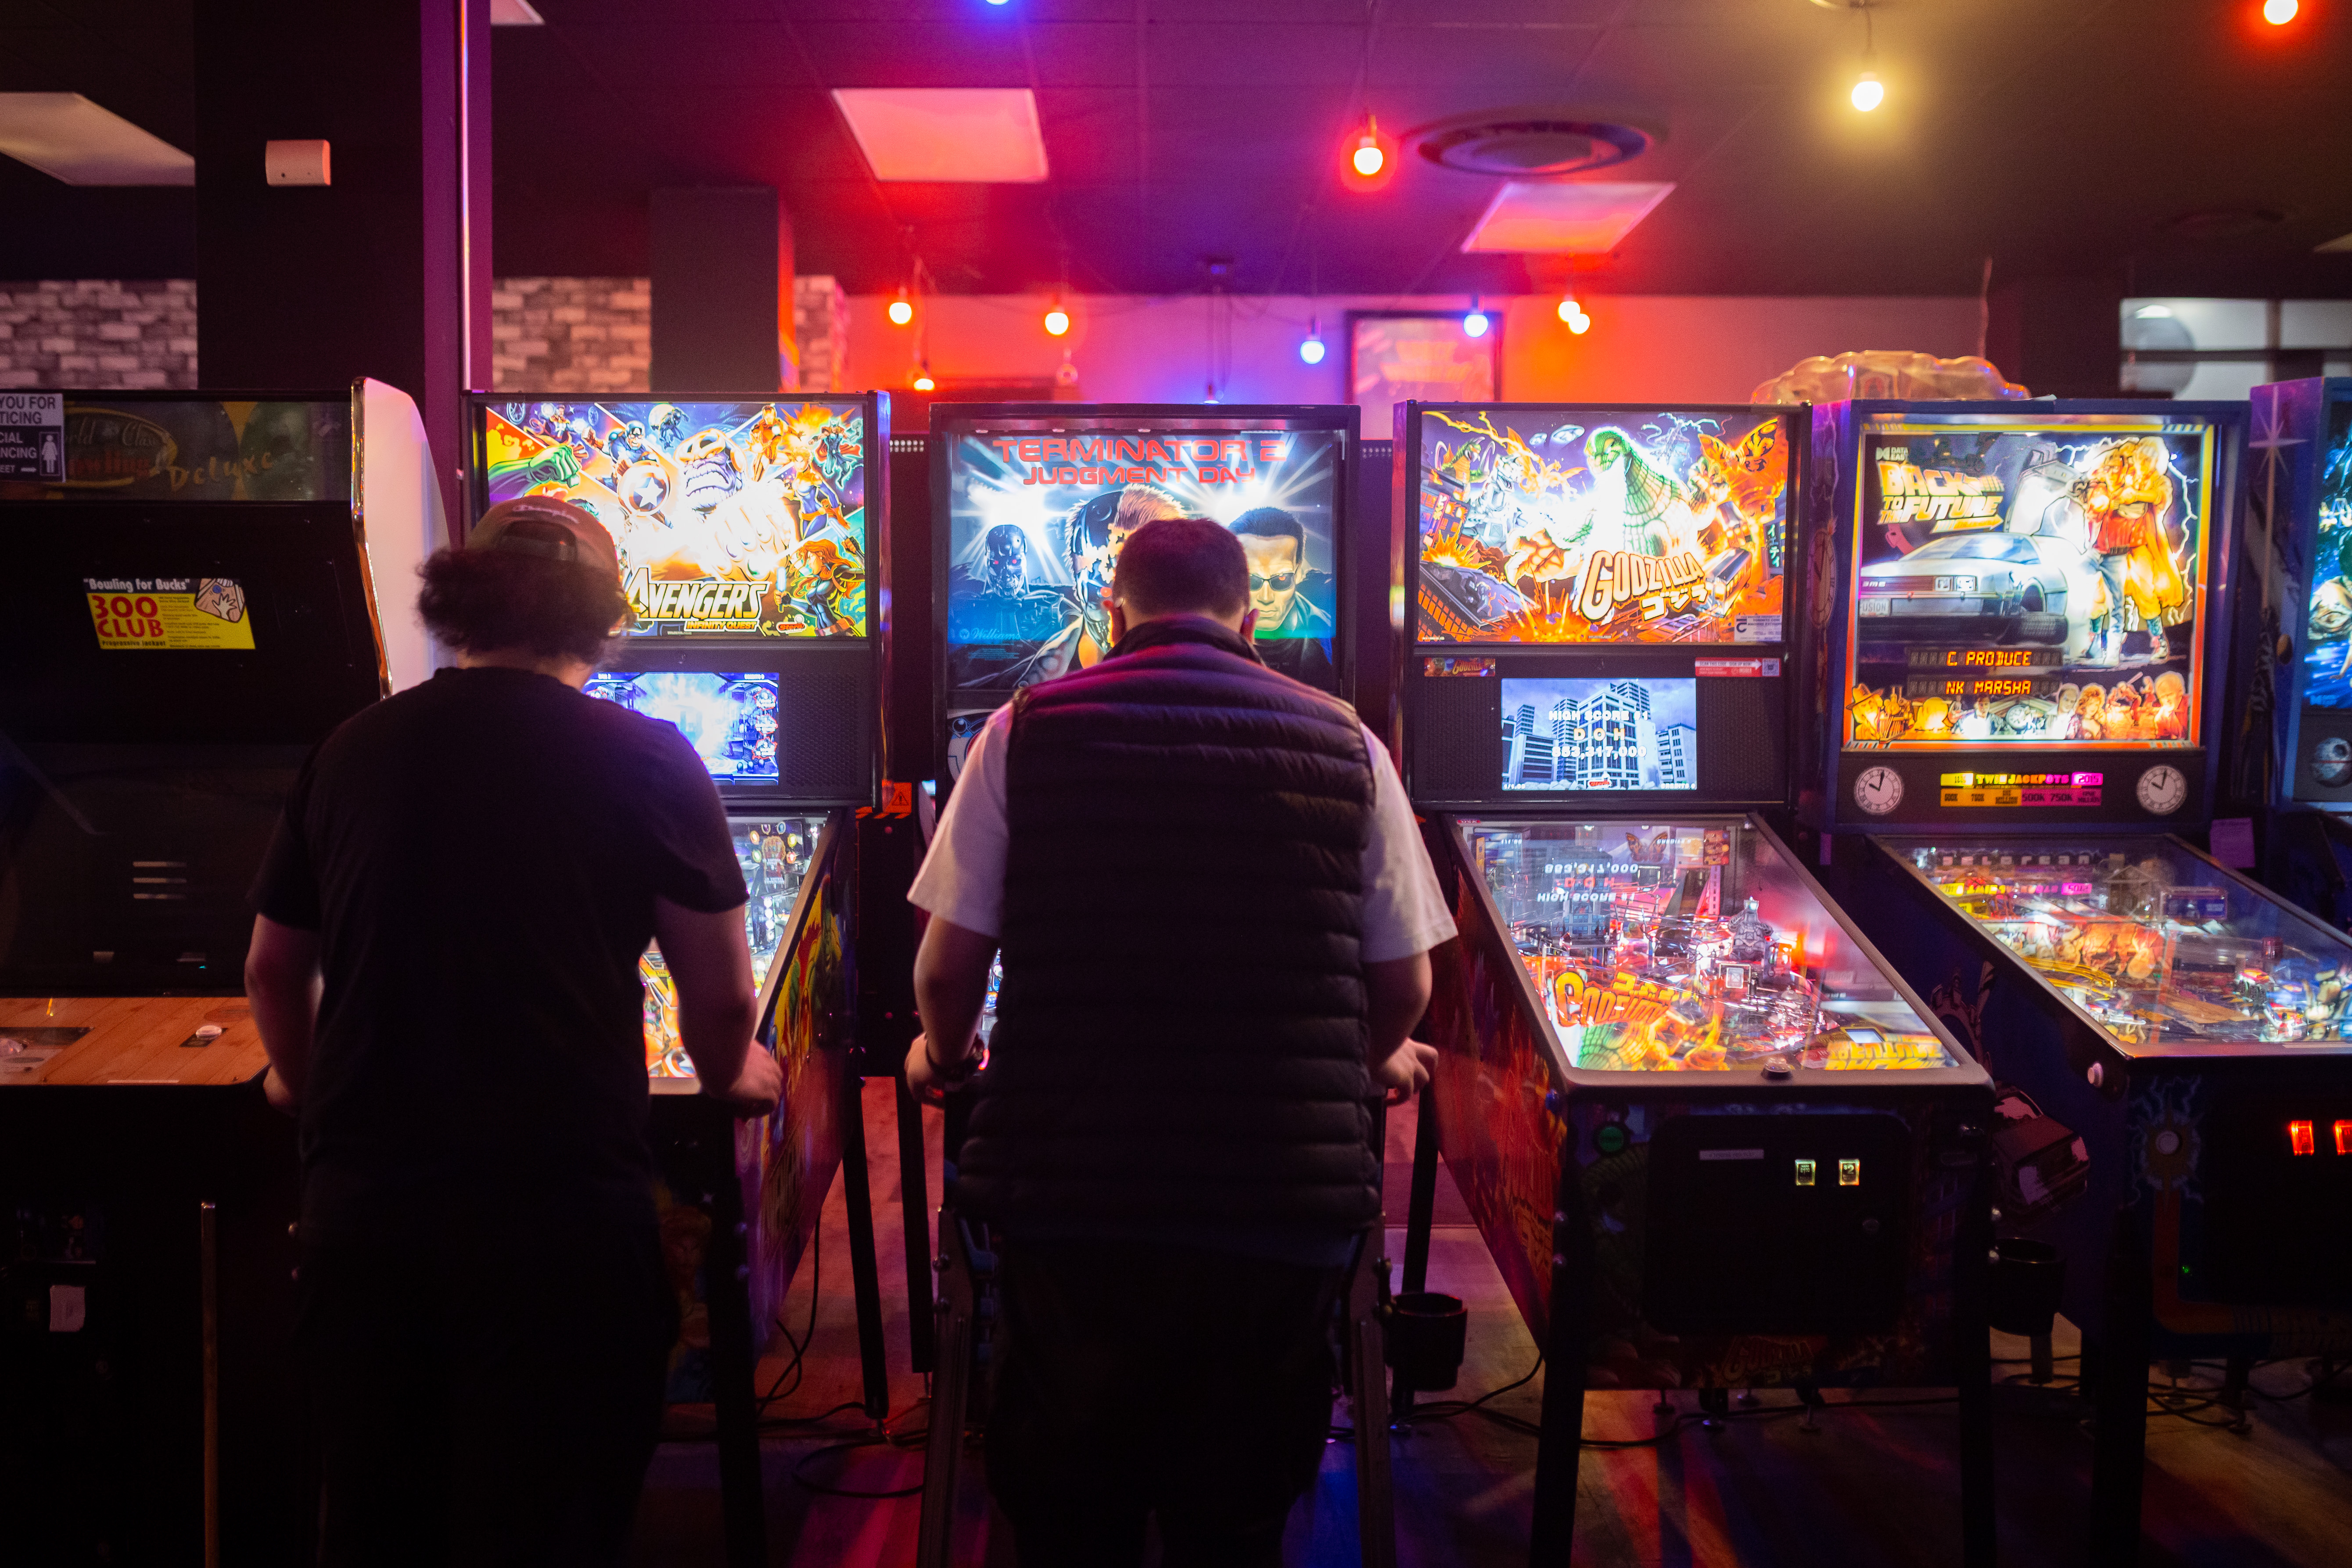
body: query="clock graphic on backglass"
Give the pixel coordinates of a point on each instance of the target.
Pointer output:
(2162, 790)
(1878, 790)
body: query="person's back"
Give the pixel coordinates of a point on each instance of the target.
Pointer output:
(1185, 884)
(1215, 912)
(487, 849)
(443, 968)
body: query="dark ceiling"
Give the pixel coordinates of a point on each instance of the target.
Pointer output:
(2055, 136)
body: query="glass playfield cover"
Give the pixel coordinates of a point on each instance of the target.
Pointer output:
(2024, 581)
(1690, 947)
(731, 518)
(2161, 948)
(776, 854)
(1565, 526)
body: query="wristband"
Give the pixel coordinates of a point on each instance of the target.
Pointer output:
(949, 1074)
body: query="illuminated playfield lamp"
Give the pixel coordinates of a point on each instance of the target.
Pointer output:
(2279, 12)
(1058, 320)
(1574, 314)
(1869, 92)
(902, 309)
(1310, 347)
(1475, 323)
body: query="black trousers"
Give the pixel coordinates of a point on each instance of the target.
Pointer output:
(1145, 1380)
(486, 1399)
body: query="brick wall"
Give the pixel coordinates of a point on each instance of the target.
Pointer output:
(548, 334)
(571, 334)
(99, 334)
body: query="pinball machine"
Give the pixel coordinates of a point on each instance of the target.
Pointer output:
(2299, 494)
(751, 531)
(2021, 616)
(202, 586)
(1709, 1134)
(1030, 506)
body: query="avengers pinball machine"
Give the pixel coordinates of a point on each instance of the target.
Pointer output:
(2031, 657)
(1710, 1136)
(752, 531)
(194, 604)
(2299, 493)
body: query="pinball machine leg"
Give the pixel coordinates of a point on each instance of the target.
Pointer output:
(865, 1270)
(2119, 1402)
(1971, 1282)
(953, 1311)
(1561, 1427)
(915, 1211)
(1422, 1212)
(733, 1363)
(1367, 1347)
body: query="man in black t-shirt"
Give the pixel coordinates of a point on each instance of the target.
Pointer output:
(445, 971)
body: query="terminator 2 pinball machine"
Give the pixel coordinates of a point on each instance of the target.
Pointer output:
(1710, 1136)
(2022, 616)
(751, 531)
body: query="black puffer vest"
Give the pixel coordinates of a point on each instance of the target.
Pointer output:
(1180, 1030)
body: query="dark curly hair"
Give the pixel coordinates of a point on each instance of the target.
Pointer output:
(482, 600)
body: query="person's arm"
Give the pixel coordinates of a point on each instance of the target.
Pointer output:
(710, 963)
(281, 984)
(950, 989)
(1396, 995)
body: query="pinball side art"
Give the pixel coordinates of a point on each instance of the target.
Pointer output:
(1663, 528)
(730, 518)
(2327, 667)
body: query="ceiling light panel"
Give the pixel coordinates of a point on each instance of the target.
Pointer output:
(1584, 218)
(963, 135)
(66, 135)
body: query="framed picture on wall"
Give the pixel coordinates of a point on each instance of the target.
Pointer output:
(1395, 355)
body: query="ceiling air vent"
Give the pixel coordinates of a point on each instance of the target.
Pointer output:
(1531, 147)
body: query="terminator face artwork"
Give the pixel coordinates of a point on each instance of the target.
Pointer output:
(1039, 519)
(1274, 568)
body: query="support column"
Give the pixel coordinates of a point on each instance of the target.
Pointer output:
(2058, 337)
(386, 270)
(722, 279)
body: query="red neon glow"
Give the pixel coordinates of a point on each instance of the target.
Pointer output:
(2300, 1139)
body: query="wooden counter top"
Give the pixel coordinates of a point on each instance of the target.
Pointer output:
(132, 1039)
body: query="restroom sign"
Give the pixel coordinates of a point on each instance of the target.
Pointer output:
(33, 437)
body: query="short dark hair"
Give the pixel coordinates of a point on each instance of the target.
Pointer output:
(482, 600)
(1181, 565)
(1272, 522)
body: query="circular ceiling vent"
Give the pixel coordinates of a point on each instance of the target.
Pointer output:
(1532, 147)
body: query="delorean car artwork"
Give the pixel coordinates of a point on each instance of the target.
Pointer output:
(2027, 578)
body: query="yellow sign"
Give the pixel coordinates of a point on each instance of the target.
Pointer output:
(169, 612)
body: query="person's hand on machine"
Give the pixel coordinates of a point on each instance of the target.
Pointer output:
(759, 1086)
(1406, 1071)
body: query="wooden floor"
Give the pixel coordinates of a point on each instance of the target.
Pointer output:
(1858, 1486)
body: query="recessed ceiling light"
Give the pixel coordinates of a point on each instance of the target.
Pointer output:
(966, 135)
(66, 135)
(515, 13)
(2336, 246)
(1585, 219)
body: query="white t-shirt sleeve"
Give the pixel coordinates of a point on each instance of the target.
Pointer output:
(1404, 912)
(963, 877)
